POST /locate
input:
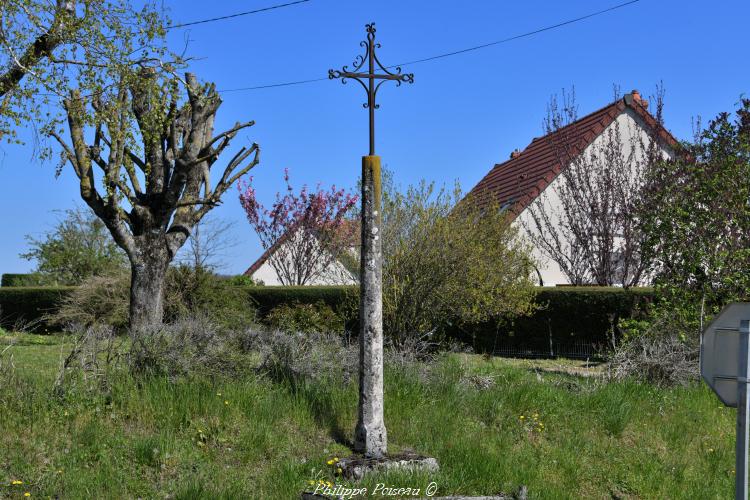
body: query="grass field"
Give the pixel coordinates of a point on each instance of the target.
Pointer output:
(492, 424)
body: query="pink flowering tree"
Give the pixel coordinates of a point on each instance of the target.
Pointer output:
(307, 235)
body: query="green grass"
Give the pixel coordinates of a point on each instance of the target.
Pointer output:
(254, 438)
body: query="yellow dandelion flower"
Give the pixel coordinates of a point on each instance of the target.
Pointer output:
(226, 402)
(335, 459)
(16, 481)
(330, 462)
(339, 471)
(521, 417)
(27, 494)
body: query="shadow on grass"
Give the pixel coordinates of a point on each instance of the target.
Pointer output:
(319, 401)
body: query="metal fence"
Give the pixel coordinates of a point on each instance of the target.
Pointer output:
(573, 350)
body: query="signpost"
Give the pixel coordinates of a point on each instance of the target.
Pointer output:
(725, 356)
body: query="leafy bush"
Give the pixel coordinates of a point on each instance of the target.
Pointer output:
(241, 280)
(78, 247)
(563, 316)
(308, 318)
(266, 298)
(445, 260)
(191, 291)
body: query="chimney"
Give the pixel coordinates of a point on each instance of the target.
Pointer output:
(637, 98)
(515, 154)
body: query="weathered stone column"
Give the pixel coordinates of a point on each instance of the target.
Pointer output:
(370, 435)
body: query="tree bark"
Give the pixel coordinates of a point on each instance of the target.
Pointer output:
(148, 273)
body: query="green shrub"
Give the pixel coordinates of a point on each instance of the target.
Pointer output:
(308, 318)
(191, 291)
(268, 297)
(240, 280)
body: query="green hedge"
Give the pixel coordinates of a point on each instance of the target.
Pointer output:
(266, 298)
(565, 315)
(27, 279)
(28, 306)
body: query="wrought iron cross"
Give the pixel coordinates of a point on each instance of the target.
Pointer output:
(371, 87)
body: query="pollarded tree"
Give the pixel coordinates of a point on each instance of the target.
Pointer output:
(307, 234)
(146, 173)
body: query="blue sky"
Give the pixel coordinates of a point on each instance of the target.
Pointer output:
(463, 113)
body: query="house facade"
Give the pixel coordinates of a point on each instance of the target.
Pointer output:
(314, 263)
(533, 175)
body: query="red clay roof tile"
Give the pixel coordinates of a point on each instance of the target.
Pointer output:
(515, 183)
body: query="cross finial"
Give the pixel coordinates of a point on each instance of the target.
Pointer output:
(370, 87)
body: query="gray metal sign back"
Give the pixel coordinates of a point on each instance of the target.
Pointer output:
(725, 357)
(720, 346)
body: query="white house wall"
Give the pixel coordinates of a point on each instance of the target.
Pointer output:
(334, 274)
(551, 274)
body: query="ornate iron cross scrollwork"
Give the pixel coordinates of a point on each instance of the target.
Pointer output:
(370, 87)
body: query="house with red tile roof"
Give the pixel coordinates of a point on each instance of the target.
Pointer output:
(527, 175)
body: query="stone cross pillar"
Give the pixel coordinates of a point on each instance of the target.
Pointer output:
(370, 436)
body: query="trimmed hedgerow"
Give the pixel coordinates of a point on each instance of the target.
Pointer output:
(564, 315)
(24, 279)
(29, 306)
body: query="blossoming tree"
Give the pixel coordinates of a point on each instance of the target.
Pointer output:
(305, 234)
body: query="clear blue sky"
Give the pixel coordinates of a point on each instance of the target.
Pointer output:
(463, 113)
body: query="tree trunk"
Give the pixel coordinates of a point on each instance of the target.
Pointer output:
(148, 272)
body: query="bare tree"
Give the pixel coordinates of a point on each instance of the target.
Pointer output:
(152, 154)
(586, 220)
(208, 244)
